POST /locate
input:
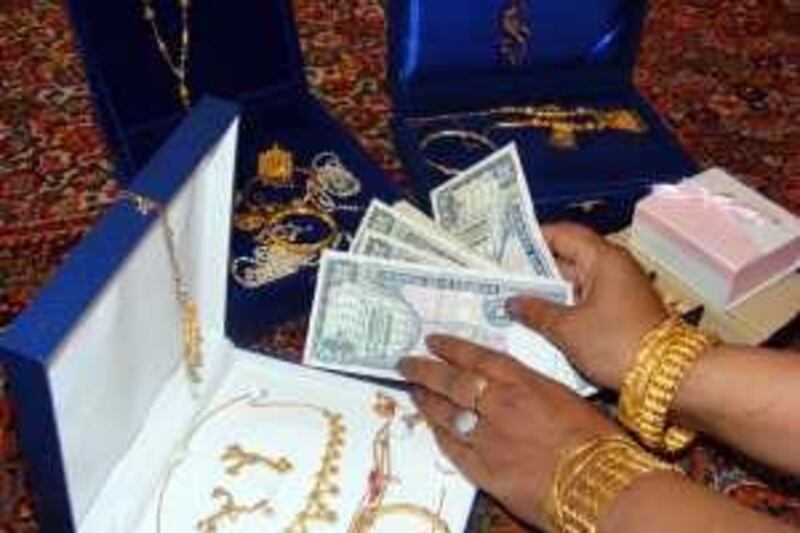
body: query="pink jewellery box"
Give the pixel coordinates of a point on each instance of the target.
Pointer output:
(721, 237)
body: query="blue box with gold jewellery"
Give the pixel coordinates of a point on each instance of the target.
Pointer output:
(556, 76)
(302, 181)
(137, 414)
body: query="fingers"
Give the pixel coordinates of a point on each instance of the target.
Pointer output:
(443, 414)
(573, 242)
(542, 316)
(465, 458)
(478, 359)
(465, 389)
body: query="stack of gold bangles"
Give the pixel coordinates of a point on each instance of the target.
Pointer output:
(665, 356)
(590, 477)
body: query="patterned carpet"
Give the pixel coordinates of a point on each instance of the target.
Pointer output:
(723, 73)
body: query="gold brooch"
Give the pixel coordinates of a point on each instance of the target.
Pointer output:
(276, 166)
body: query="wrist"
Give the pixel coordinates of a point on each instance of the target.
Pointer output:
(640, 492)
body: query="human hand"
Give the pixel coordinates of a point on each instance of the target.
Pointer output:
(615, 305)
(524, 420)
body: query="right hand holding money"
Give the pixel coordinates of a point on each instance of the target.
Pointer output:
(615, 304)
(408, 276)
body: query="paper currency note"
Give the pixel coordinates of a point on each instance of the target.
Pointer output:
(488, 207)
(407, 208)
(369, 312)
(382, 219)
(374, 244)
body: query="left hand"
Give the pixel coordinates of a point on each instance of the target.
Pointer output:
(525, 420)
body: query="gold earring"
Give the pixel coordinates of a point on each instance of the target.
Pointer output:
(237, 459)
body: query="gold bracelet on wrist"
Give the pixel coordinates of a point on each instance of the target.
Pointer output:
(648, 390)
(590, 477)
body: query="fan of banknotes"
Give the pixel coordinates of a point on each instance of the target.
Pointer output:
(407, 276)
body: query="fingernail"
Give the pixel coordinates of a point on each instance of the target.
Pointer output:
(514, 306)
(401, 365)
(417, 394)
(434, 342)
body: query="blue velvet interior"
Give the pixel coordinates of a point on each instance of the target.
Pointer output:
(297, 122)
(445, 55)
(237, 51)
(247, 51)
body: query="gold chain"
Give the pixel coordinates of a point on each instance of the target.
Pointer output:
(372, 508)
(179, 66)
(190, 318)
(564, 123)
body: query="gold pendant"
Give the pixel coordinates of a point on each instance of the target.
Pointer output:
(230, 511)
(516, 32)
(236, 459)
(192, 340)
(276, 167)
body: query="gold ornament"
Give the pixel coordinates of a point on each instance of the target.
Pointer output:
(276, 166)
(230, 511)
(180, 65)
(237, 459)
(191, 332)
(317, 506)
(590, 477)
(648, 390)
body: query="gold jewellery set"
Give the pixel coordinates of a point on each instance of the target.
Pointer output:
(177, 61)
(590, 477)
(290, 235)
(563, 123)
(230, 509)
(317, 506)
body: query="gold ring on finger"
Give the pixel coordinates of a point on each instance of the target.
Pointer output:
(481, 386)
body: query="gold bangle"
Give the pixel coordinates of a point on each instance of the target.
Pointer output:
(648, 390)
(590, 477)
(327, 220)
(464, 135)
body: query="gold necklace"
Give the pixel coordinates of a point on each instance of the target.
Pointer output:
(316, 508)
(179, 66)
(564, 123)
(372, 507)
(190, 319)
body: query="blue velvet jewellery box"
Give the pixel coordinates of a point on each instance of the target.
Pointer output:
(556, 76)
(247, 51)
(133, 421)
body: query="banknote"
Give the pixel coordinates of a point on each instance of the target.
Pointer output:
(488, 207)
(382, 219)
(369, 312)
(374, 244)
(410, 210)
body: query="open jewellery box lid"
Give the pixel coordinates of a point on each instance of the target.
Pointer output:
(243, 51)
(87, 358)
(443, 56)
